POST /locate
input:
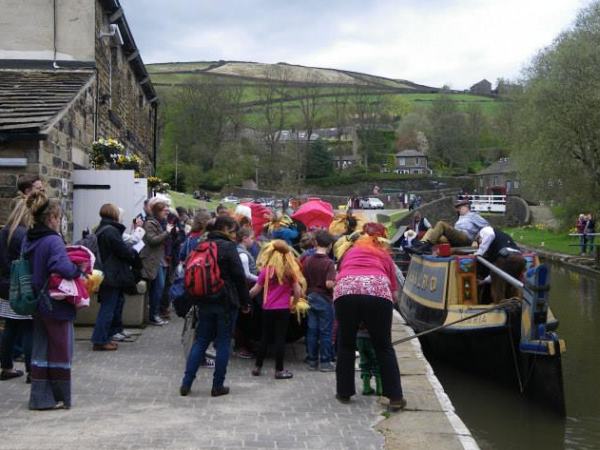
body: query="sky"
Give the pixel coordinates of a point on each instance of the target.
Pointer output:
(431, 42)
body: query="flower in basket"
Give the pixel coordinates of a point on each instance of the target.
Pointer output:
(128, 162)
(154, 182)
(105, 151)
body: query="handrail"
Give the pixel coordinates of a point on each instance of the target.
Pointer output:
(506, 277)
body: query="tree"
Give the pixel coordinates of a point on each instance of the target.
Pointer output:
(449, 135)
(556, 132)
(319, 161)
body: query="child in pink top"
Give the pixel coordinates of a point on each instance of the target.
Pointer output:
(279, 279)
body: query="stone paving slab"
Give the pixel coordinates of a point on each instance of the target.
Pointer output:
(129, 399)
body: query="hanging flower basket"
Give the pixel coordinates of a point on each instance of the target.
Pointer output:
(154, 182)
(105, 151)
(128, 162)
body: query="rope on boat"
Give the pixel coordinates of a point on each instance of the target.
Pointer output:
(505, 304)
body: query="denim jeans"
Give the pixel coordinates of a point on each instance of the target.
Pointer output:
(320, 328)
(111, 304)
(583, 239)
(157, 287)
(215, 323)
(117, 323)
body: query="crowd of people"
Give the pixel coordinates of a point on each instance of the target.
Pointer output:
(342, 278)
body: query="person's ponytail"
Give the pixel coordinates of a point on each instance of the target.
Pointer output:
(42, 208)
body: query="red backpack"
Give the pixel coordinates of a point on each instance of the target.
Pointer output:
(202, 276)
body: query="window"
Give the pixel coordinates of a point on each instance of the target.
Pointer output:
(401, 161)
(516, 184)
(495, 181)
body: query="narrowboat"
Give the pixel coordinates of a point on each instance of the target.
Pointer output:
(517, 345)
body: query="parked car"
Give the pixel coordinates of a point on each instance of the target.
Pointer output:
(371, 203)
(231, 199)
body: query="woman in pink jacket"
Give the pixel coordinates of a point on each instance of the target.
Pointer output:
(365, 291)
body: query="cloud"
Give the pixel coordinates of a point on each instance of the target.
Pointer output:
(433, 42)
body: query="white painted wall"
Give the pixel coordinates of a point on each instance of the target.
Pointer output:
(126, 191)
(27, 29)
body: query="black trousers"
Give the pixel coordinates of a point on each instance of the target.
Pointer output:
(376, 314)
(14, 328)
(274, 329)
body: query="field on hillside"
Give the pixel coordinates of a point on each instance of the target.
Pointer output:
(329, 85)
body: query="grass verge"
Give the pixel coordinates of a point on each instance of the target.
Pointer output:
(545, 239)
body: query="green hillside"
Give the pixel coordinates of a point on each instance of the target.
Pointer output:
(329, 83)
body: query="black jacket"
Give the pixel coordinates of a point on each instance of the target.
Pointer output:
(501, 240)
(231, 268)
(117, 257)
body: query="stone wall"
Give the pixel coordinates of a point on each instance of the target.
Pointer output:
(517, 213)
(124, 112)
(409, 184)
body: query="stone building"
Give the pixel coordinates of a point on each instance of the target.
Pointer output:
(483, 87)
(412, 162)
(70, 73)
(500, 178)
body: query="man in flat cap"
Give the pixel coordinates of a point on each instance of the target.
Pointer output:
(463, 233)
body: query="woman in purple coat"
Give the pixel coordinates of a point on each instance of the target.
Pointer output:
(53, 322)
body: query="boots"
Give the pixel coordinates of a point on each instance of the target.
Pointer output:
(367, 389)
(378, 386)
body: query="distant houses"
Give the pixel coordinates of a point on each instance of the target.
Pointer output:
(499, 178)
(412, 162)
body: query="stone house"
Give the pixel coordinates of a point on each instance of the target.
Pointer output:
(70, 73)
(412, 162)
(500, 177)
(483, 87)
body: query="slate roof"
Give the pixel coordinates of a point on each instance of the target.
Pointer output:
(410, 152)
(30, 99)
(503, 165)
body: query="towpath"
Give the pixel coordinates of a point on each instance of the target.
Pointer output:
(130, 399)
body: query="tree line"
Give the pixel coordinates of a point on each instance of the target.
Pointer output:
(554, 129)
(215, 139)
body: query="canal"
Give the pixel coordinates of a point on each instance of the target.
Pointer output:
(500, 418)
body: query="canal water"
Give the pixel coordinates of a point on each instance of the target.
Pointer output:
(499, 418)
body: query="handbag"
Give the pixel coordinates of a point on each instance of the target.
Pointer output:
(21, 297)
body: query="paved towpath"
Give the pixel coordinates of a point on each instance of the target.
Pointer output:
(130, 399)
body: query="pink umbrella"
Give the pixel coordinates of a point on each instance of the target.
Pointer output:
(315, 213)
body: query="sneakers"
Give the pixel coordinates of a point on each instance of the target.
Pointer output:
(157, 321)
(283, 375)
(109, 347)
(312, 365)
(126, 333)
(327, 367)
(217, 392)
(121, 337)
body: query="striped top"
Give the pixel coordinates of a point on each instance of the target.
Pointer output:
(7, 312)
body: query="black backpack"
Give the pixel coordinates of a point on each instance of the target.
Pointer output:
(90, 241)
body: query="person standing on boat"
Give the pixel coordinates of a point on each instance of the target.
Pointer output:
(462, 234)
(500, 249)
